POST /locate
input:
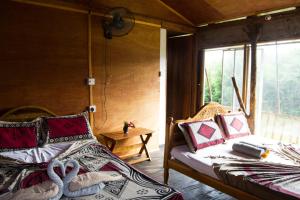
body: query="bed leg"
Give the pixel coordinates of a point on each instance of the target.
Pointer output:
(166, 175)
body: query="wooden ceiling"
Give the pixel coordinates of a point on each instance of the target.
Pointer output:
(197, 12)
(150, 8)
(180, 14)
(209, 11)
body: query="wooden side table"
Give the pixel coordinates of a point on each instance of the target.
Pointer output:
(111, 139)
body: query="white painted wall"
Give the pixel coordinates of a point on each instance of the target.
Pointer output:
(163, 85)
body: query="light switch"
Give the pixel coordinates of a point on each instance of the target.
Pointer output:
(91, 81)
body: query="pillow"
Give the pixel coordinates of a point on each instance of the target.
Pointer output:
(234, 125)
(67, 128)
(19, 135)
(201, 134)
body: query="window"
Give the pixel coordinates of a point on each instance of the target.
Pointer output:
(220, 66)
(278, 85)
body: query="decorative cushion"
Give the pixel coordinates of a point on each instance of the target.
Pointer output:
(234, 125)
(19, 135)
(67, 128)
(201, 134)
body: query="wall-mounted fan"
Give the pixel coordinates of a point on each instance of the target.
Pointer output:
(118, 22)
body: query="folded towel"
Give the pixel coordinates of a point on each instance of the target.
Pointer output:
(55, 178)
(91, 178)
(93, 189)
(248, 149)
(42, 191)
(73, 186)
(48, 190)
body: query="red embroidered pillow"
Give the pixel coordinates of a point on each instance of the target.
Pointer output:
(234, 125)
(67, 128)
(19, 135)
(201, 134)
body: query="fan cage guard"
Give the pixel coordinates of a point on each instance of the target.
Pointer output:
(110, 30)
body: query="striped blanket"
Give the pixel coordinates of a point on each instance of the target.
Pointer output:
(266, 180)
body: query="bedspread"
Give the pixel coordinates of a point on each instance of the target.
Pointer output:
(91, 156)
(264, 179)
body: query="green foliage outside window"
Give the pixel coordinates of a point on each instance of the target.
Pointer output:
(215, 79)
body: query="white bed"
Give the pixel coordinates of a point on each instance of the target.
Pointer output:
(201, 161)
(241, 178)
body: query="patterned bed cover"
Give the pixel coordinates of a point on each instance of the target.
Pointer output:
(92, 156)
(264, 179)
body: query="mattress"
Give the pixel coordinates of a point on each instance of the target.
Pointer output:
(202, 162)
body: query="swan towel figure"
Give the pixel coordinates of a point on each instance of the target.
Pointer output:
(72, 185)
(86, 184)
(94, 189)
(47, 190)
(55, 178)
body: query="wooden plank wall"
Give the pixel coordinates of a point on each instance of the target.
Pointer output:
(127, 70)
(181, 77)
(43, 58)
(44, 61)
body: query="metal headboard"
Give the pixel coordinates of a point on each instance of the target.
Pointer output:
(26, 113)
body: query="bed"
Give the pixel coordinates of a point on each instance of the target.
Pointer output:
(230, 172)
(22, 169)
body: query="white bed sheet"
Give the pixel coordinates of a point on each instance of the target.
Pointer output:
(38, 155)
(201, 162)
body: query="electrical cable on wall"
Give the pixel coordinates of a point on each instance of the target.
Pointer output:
(113, 25)
(104, 97)
(105, 81)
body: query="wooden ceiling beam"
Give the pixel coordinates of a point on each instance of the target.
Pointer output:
(139, 19)
(60, 5)
(282, 26)
(176, 12)
(211, 11)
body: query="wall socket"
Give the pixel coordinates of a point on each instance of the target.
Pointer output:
(92, 108)
(91, 81)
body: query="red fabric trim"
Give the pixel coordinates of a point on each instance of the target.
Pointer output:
(17, 137)
(224, 125)
(219, 122)
(110, 167)
(206, 131)
(210, 143)
(237, 135)
(64, 127)
(193, 139)
(177, 196)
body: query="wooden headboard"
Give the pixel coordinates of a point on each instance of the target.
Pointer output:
(174, 137)
(25, 113)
